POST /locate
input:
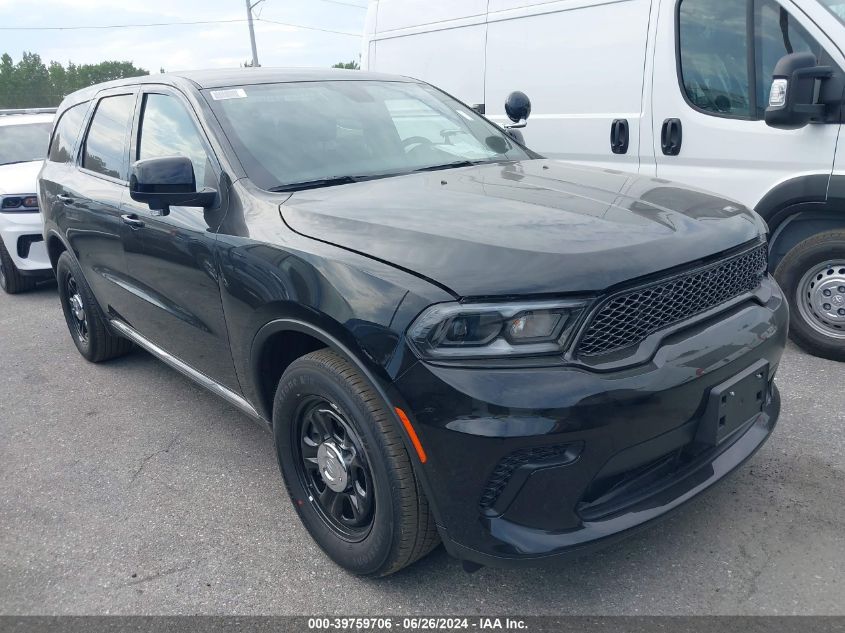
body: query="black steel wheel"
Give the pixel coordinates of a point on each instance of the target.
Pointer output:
(76, 309)
(333, 468)
(346, 467)
(85, 321)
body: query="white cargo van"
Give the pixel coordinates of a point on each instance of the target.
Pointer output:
(671, 89)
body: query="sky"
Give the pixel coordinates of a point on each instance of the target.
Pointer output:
(184, 47)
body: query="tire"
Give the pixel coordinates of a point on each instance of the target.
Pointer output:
(11, 279)
(400, 528)
(812, 276)
(90, 332)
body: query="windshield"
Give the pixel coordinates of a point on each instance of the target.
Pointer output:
(292, 136)
(836, 7)
(23, 142)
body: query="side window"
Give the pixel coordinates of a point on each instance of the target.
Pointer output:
(776, 33)
(167, 129)
(67, 130)
(105, 146)
(714, 48)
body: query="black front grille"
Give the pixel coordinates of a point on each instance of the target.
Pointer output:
(628, 318)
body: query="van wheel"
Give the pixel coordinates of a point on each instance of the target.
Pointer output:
(86, 324)
(11, 279)
(813, 277)
(347, 470)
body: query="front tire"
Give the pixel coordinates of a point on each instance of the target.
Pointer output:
(812, 276)
(11, 279)
(85, 321)
(347, 470)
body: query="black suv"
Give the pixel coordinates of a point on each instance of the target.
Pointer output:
(451, 337)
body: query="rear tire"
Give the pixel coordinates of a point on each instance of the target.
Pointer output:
(812, 276)
(84, 319)
(11, 279)
(378, 520)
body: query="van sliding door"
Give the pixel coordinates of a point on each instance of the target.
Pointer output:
(581, 62)
(438, 41)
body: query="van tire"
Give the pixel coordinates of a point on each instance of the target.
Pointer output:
(814, 266)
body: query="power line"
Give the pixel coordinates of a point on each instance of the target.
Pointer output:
(115, 26)
(345, 4)
(308, 28)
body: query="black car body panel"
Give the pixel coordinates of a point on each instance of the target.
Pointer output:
(512, 228)
(576, 453)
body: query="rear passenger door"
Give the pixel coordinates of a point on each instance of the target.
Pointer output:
(171, 266)
(581, 63)
(91, 194)
(712, 75)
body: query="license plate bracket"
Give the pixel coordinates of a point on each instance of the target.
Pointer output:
(733, 403)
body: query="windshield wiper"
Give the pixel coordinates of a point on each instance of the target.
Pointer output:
(459, 163)
(315, 184)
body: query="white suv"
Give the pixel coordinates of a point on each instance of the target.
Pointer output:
(24, 136)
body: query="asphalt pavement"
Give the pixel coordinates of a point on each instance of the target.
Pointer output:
(126, 489)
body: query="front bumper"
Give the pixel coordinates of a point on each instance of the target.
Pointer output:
(22, 235)
(532, 464)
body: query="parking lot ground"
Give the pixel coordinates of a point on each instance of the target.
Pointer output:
(126, 489)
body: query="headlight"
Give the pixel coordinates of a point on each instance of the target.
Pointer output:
(487, 330)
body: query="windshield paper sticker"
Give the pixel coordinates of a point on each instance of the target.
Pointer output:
(232, 93)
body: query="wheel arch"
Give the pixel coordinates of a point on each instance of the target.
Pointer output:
(799, 208)
(55, 247)
(281, 341)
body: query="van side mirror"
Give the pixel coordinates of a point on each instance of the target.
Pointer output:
(518, 109)
(797, 95)
(167, 181)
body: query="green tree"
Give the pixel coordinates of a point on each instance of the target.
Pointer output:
(353, 65)
(33, 84)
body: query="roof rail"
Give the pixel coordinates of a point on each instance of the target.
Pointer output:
(28, 111)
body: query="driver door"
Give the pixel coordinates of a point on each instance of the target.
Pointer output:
(712, 74)
(170, 257)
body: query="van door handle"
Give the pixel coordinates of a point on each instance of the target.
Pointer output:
(132, 220)
(620, 134)
(671, 137)
(63, 197)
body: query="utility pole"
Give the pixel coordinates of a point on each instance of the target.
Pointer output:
(249, 7)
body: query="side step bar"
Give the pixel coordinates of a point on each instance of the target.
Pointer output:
(212, 385)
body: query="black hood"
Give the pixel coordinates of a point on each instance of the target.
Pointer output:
(534, 227)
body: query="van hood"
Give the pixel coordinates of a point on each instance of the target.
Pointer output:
(523, 228)
(19, 178)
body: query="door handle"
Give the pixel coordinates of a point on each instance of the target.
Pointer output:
(620, 134)
(671, 137)
(132, 220)
(63, 197)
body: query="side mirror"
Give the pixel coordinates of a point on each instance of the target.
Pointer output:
(518, 109)
(167, 181)
(796, 97)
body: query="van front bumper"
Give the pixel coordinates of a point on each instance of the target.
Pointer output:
(531, 464)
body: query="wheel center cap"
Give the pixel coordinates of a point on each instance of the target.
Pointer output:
(332, 467)
(76, 306)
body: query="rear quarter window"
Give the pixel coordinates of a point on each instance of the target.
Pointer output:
(67, 131)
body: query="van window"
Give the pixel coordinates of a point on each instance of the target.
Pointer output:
(714, 56)
(105, 145)
(776, 33)
(67, 130)
(167, 129)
